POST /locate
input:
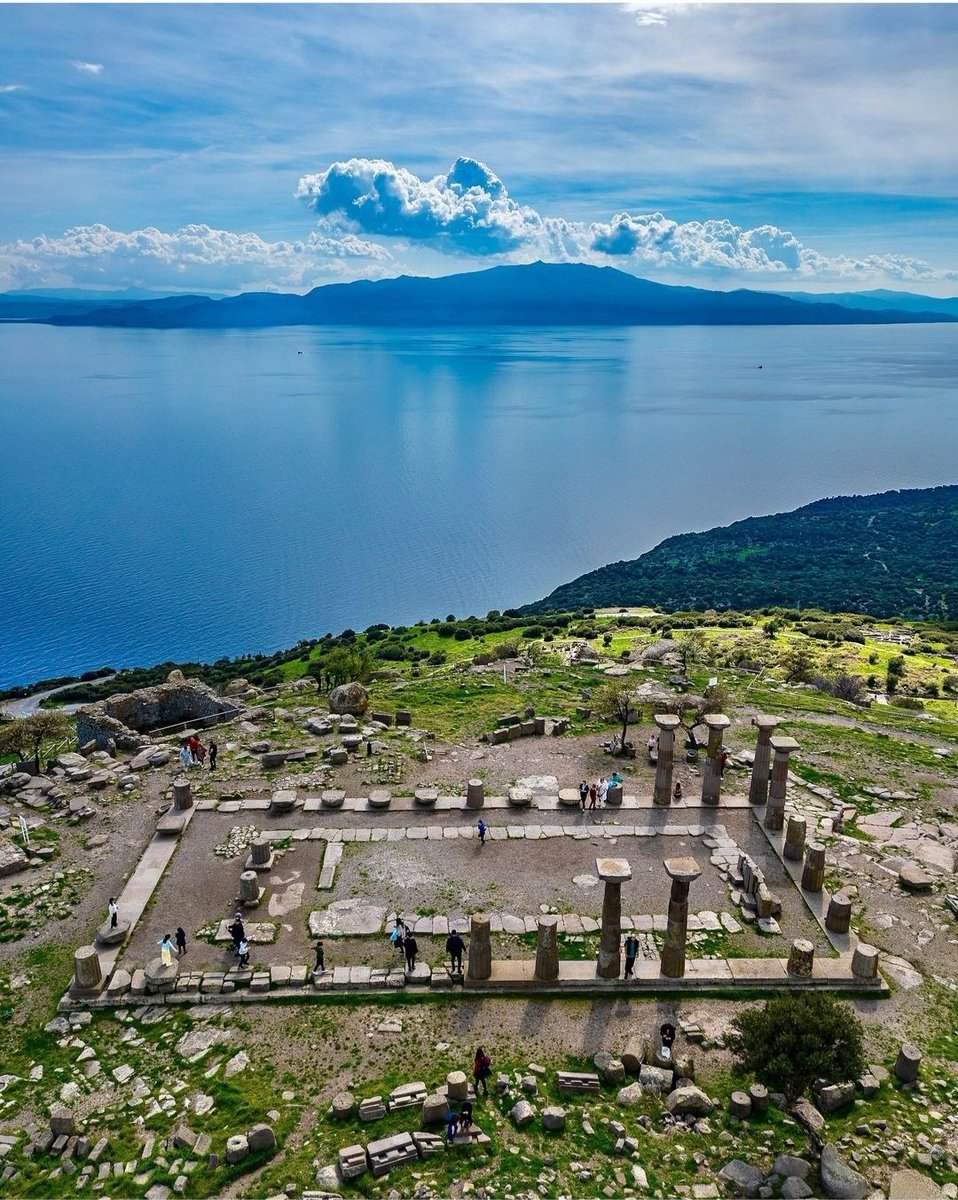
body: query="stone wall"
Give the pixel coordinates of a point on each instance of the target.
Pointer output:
(122, 719)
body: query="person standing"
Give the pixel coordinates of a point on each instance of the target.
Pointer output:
(603, 790)
(454, 948)
(180, 940)
(483, 830)
(114, 912)
(481, 1070)
(237, 932)
(200, 753)
(166, 950)
(243, 951)
(320, 957)
(214, 750)
(583, 794)
(186, 756)
(412, 949)
(593, 795)
(631, 954)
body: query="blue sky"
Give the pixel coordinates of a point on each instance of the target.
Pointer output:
(239, 146)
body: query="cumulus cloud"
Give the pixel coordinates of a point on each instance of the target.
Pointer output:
(194, 256)
(88, 68)
(469, 211)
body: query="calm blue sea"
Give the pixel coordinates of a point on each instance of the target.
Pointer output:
(197, 494)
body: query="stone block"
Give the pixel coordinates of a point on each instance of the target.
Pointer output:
(390, 1152)
(577, 1083)
(352, 1161)
(372, 1109)
(237, 1148)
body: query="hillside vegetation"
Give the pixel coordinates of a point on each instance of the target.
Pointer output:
(893, 554)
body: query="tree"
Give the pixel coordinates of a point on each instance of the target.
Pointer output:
(798, 1038)
(692, 710)
(26, 735)
(618, 700)
(342, 664)
(798, 663)
(894, 673)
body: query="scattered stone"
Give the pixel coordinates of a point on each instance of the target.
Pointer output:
(743, 1179)
(912, 1185)
(688, 1099)
(237, 1148)
(522, 1113)
(630, 1096)
(553, 1118)
(343, 1105)
(839, 1180)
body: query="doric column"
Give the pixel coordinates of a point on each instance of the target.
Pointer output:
(682, 872)
(480, 947)
(547, 949)
(813, 873)
(614, 872)
(838, 918)
(662, 793)
(795, 838)
(712, 776)
(758, 788)
(475, 794)
(182, 795)
(800, 959)
(87, 974)
(775, 812)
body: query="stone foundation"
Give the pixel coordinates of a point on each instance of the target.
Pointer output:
(122, 719)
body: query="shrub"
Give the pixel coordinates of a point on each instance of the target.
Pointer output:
(446, 630)
(795, 1039)
(462, 634)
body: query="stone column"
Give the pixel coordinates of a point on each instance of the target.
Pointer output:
(758, 787)
(662, 792)
(813, 874)
(795, 838)
(547, 950)
(613, 795)
(775, 812)
(712, 776)
(249, 890)
(261, 856)
(682, 872)
(475, 794)
(614, 872)
(182, 796)
(480, 947)
(838, 917)
(87, 975)
(865, 961)
(800, 959)
(908, 1063)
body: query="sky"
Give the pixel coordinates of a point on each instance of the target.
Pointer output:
(238, 147)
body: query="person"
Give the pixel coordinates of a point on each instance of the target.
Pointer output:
(214, 750)
(677, 791)
(481, 1070)
(483, 830)
(465, 1116)
(452, 1120)
(114, 912)
(603, 790)
(180, 940)
(396, 937)
(412, 949)
(200, 753)
(166, 950)
(583, 794)
(320, 957)
(652, 743)
(237, 932)
(186, 757)
(631, 954)
(243, 951)
(593, 795)
(194, 744)
(454, 947)
(723, 762)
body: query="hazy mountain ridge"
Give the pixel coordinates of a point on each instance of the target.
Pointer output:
(890, 554)
(532, 294)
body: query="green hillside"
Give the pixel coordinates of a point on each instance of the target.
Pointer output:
(893, 554)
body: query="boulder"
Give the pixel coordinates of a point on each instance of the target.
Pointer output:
(743, 1179)
(261, 1137)
(328, 1179)
(631, 1096)
(839, 1181)
(522, 1113)
(349, 698)
(343, 1105)
(612, 1071)
(688, 1099)
(791, 1167)
(796, 1189)
(913, 878)
(553, 1118)
(835, 1096)
(912, 1185)
(655, 1079)
(809, 1116)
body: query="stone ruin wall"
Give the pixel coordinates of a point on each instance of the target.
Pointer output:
(125, 718)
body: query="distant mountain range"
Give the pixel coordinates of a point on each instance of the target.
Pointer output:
(892, 554)
(534, 294)
(881, 300)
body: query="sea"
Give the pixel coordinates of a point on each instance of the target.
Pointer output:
(188, 495)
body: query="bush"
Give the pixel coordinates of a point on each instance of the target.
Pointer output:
(446, 630)
(462, 634)
(796, 1039)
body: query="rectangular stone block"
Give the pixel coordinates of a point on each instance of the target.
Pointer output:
(390, 1152)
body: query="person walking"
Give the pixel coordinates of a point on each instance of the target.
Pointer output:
(114, 912)
(396, 937)
(180, 940)
(214, 750)
(454, 948)
(243, 951)
(237, 932)
(412, 949)
(186, 756)
(631, 954)
(166, 950)
(583, 794)
(593, 795)
(320, 957)
(481, 1070)
(483, 829)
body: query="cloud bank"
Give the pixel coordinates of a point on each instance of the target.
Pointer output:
(468, 211)
(194, 256)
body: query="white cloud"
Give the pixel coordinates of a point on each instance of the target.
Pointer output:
(89, 68)
(5, 88)
(194, 256)
(469, 211)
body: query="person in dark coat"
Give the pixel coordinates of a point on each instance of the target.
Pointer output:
(412, 949)
(180, 940)
(454, 948)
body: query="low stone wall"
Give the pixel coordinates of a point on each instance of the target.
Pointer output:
(122, 719)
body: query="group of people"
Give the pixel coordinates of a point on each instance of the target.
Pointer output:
(461, 1121)
(405, 942)
(167, 946)
(194, 754)
(237, 932)
(594, 794)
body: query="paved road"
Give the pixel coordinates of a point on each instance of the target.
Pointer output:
(31, 704)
